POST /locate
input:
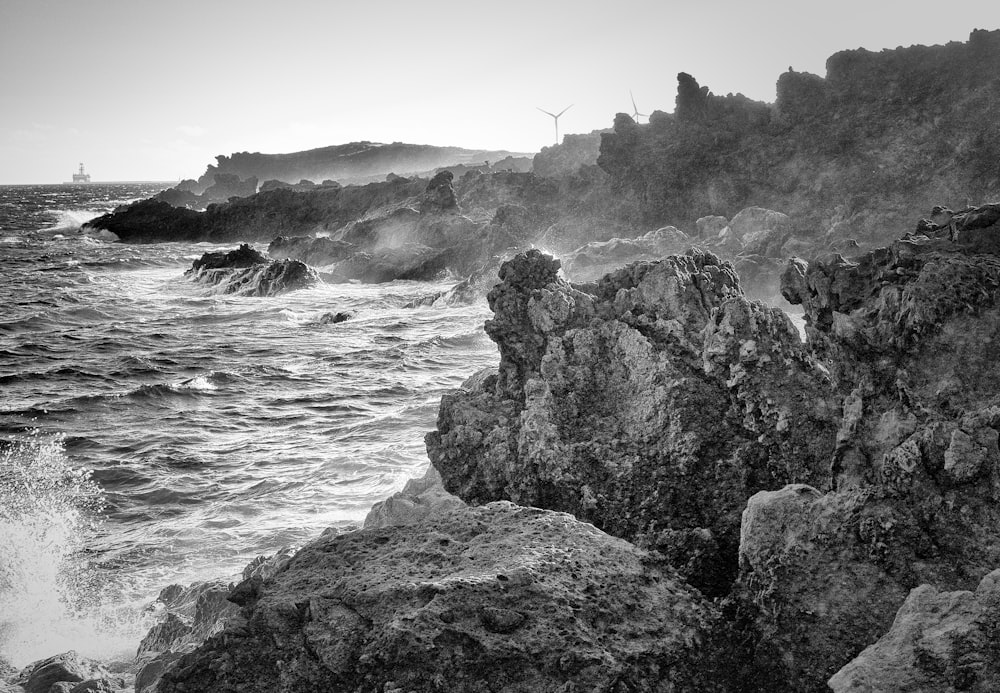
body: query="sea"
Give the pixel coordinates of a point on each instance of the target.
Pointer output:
(154, 431)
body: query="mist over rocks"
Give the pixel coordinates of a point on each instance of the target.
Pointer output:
(354, 163)
(652, 407)
(849, 154)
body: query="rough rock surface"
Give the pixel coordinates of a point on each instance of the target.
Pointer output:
(420, 498)
(496, 598)
(939, 641)
(68, 667)
(653, 407)
(245, 272)
(911, 335)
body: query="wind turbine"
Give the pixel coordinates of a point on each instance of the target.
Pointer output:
(555, 116)
(635, 113)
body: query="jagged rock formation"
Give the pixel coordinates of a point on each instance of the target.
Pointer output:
(910, 335)
(245, 272)
(653, 407)
(851, 154)
(533, 599)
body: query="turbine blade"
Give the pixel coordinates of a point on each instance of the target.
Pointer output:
(634, 107)
(564, 110)
(547, 113)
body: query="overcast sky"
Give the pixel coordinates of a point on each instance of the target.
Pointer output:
(143, 90)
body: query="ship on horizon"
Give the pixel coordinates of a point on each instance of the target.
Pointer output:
(81, 177)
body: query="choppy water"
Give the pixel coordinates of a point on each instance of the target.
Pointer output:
(153, 432)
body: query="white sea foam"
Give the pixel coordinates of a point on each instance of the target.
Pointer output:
(47, 601)
(70, 219)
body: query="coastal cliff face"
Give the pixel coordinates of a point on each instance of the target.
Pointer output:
(652, 407)
(909, 333)
(851, 153)
(661, 403)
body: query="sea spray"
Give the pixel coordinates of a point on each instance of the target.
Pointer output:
(50, 599)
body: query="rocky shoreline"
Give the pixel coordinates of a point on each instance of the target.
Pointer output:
(661, 488)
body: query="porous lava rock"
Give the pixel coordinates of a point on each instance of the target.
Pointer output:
(498, 598)
(939, 641)
(653, 406)
(911, 336)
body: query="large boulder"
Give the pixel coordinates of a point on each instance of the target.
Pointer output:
(652, 407)
(68, 667)
(939, 641)
(498, 598)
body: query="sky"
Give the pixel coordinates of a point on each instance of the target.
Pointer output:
(154, 90)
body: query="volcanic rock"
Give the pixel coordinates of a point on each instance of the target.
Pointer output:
(910, 335)
(939, 641)
(653, 407)
(245, 272)
(244, 256)
(534, 600)
(440, 194)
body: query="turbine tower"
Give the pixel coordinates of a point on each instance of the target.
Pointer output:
(635, 110)
(555, 116)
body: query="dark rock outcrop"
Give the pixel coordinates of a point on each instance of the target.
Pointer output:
(653, 407)
(533, 599)
(910, 334)
(245, 272)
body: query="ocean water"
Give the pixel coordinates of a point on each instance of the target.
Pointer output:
(155, 432)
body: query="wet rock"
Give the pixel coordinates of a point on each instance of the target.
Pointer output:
(334, 318)
(939, 641)
(245, 272)
(315, 252)
(535, 599)
(652, 407)
(68, 667)
(244, 256)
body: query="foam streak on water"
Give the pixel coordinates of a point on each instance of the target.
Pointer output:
(216, 427)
